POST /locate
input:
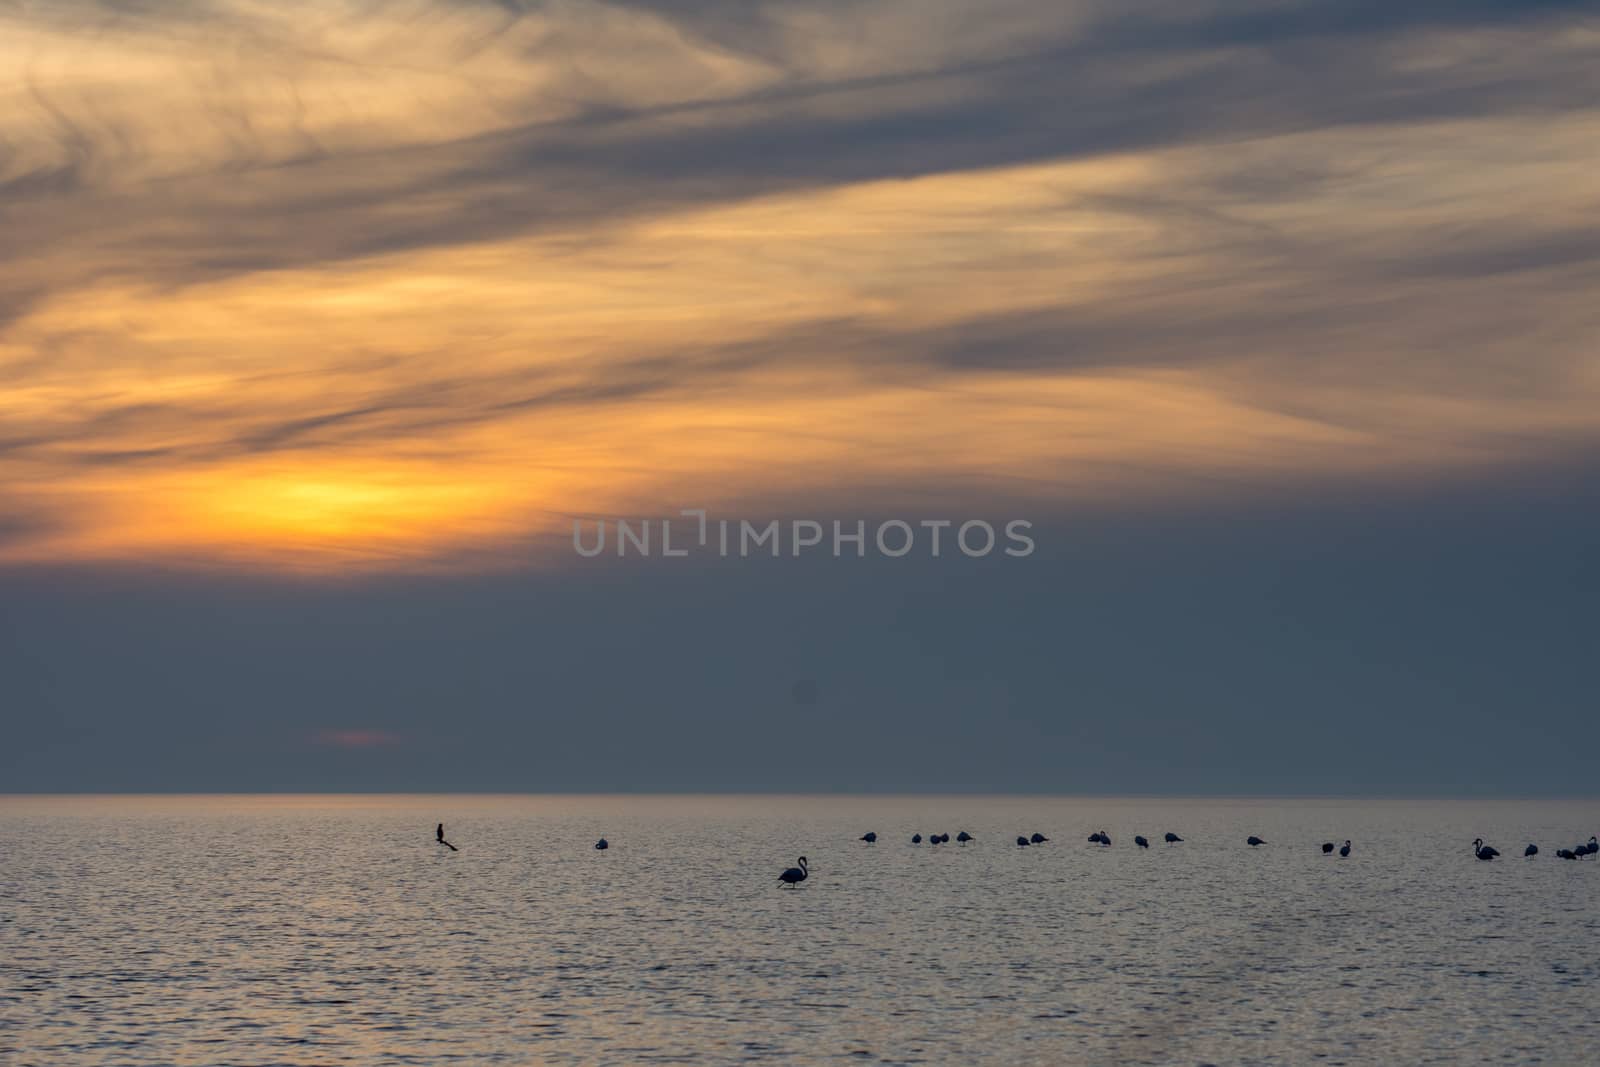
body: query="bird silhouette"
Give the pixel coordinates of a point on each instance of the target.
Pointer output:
(1327, 847)
(1344, 849)
(963, 837)
(916, 839)
(870, 838)
(1483, 851)
(602, 844)
(1253, 841)
(1140, 841)
(1531, 850)
(438, 835)
(1038, 839)
(795, 875)
(1593, 846)
(1099, 838)
(1173, 838)
(1566, 854)
(1022, 842)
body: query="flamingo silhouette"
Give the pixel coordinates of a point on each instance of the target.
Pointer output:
(793, 876)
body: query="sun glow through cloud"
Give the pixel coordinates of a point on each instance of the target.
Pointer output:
(428, 289)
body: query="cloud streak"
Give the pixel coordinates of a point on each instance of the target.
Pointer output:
(332, 282)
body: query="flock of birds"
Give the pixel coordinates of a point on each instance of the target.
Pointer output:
(793, 876)
(1576, 852)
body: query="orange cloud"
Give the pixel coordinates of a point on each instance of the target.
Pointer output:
(398, 300)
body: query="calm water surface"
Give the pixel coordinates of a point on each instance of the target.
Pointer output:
(333, 930)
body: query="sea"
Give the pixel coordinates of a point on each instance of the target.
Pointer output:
(317, 930)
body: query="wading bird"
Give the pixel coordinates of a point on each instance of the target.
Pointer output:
(1531, 850)
(916, 839)
(1483, 851)
(602, 844)
(1566, 854)
(795, 875)
(1140, 841)
(1344, 849)
(870, 838)
(1327, 847)
(963, 837)
(438, 835)
(1173, 838)
(1038, 839)
(1253, 841)
(1022, 842)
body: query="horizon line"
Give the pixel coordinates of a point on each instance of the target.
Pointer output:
(970, 794)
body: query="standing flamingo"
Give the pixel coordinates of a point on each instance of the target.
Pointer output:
(795, 875)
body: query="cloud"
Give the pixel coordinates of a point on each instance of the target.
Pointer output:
(356, 739)
(338, 282)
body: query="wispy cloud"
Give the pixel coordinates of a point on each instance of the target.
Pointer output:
(356, 739)
(330, 282)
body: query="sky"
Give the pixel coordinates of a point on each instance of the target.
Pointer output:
(321, 323)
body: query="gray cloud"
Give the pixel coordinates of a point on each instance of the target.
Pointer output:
(1147, 78)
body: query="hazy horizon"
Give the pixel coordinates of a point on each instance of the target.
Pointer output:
(321, 324)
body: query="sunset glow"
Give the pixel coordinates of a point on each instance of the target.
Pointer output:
(401, 298)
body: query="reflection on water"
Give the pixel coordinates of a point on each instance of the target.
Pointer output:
(328, 930)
